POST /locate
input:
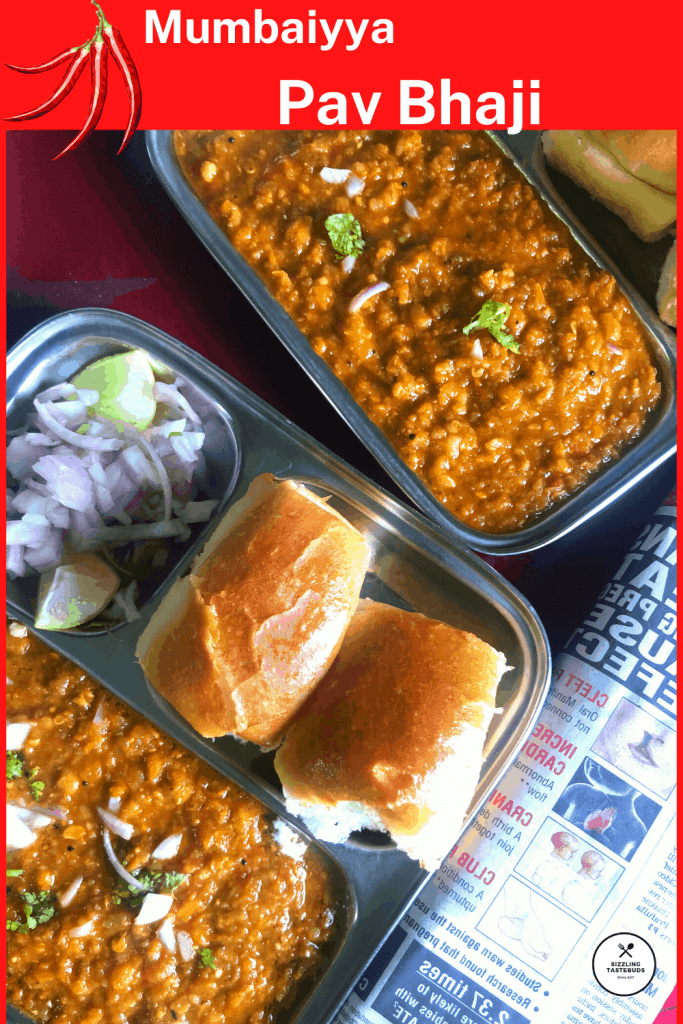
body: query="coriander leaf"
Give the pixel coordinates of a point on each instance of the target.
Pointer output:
(40, 907)
(14, 765)
(206, 958)
(491, 317)
(345, 234)
(36, 787)
(14, 872)
(153, 881)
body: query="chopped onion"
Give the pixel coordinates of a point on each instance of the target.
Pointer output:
(18, 833)
(68, 896)
(17, 731)
(98, 719)
(348, 263)
(614, 348)
(410, 210)
(197, 511)
(168, 847)
(367, 293)
(18, 629)
(15, 559)
(84, 929)
(477, 350)
(154, 906)
(334, 175)
(354, 186)
(167, 935)
(185, 946)
(118, 866)
(118, 827)
(114, 804)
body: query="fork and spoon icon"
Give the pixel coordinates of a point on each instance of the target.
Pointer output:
(626, 949)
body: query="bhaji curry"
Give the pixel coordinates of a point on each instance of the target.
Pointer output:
(438, 224)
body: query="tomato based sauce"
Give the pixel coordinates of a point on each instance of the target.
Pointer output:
(448, 224)
(258, 910)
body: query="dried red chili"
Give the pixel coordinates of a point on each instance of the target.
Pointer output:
(48, 65)
(98, 90)
(73, 73)
(106, 39)
(119, 52)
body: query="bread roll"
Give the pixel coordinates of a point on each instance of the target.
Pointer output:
(667, 290)
(392, 737)
(238, 644)
(632, 173)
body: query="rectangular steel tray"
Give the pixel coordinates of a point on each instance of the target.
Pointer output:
(655, 445)
(412, 565)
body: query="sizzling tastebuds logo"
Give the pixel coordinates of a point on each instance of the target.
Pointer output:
(624, 964)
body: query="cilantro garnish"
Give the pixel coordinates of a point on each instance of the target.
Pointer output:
(36, 787)
(40, 907)
(14, 872)
(345, 234)
(14, 765)
(153, 881)
(206, 958)
(491, 317)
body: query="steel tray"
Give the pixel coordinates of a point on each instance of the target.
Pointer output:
(412, 565)
(655, 444)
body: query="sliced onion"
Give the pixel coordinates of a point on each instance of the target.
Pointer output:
(125, 599)
(68, 896)
(348, 263)
(149, 450)
(168, 847)
(139, 531)
(334, 175)
(354, 186)
(614, 348)
(170, 394)
(17, 731)
(100, 444)
(118, 827)
(118, 866)
(185, 946)
(167, 935)
(367, 293)
(98, 719)
(84, 929)
(410, 210)
(56, 813)
(154, 906)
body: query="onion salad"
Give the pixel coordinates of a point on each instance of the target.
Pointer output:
(102, 479)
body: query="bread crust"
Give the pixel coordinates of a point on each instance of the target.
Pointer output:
(648, 155)
(237, 646)
(397, 724)
(648, 211)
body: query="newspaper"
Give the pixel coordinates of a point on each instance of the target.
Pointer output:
(557, 905)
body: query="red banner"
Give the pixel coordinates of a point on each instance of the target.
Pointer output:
(210, 63)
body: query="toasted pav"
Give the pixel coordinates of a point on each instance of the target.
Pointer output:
(237, 646)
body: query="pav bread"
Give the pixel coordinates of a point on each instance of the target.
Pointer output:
(392, 737)
(632, 172)
(237, 645)
(667, 290)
